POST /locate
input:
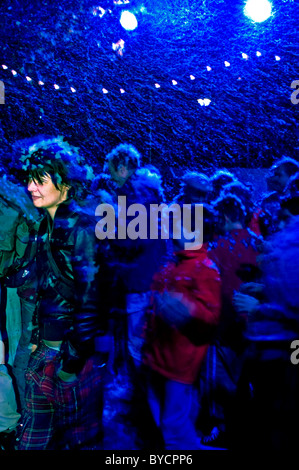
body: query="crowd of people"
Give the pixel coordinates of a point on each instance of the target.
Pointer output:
(206, 330)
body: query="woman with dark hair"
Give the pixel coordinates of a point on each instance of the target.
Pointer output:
(64, 375)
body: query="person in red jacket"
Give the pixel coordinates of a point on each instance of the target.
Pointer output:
(185, 312)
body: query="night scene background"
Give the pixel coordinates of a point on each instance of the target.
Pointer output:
(197, 85)
(70, 68)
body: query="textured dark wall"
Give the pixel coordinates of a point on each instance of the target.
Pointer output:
(249, 122)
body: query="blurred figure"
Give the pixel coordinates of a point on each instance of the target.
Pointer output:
(18, 219)
(235, 253)
(280, 173)
(267, 214)
(273, 330)
(195, 188)
(181, 324)
(133, 264)
(220, 179)
(139, 185)
(244, 193)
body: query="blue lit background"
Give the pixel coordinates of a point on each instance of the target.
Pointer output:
(83, 82)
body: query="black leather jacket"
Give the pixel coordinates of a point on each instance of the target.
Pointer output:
(69, 275)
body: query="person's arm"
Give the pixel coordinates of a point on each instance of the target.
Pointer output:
(197, 314)
(90, 319)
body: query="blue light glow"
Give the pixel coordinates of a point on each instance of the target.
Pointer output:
(128, 21)
(258, 10)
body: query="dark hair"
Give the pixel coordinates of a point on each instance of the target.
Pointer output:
(243, 193)
(231, 206)
(219, 179)
(62, 163)
(124, 154)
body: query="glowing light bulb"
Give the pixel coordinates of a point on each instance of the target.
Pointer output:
(128, 20)
(192, 77)
(204, 102)
(98, 11)
(209, 68)
(40, 82)
(56, 87)
(258, 53)
(4, 67)
(226, 63)
(174, 82)
(157, 85)
(105, 91)
(73, 90)
(245, 56)
(14, 72)
(277, 57)
(122, 90)
(258, 10)
(28, 79)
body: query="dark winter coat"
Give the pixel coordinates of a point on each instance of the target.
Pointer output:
(68, 269)
(136, 261)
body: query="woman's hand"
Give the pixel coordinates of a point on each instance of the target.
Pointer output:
(252, 288)
(246, 304)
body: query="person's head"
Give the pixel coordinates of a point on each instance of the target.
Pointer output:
(55, 173)
(196, 187)
(240, 190)
(230, 213)
(280, 173)
(122, 162)
(243, 192)
(219, 179)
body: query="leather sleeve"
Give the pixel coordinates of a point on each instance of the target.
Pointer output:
(89, 319)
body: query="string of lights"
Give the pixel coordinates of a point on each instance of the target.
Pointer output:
(193, 78)
(201, 101)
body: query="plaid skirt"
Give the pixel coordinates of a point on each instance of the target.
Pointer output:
(58, 414)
